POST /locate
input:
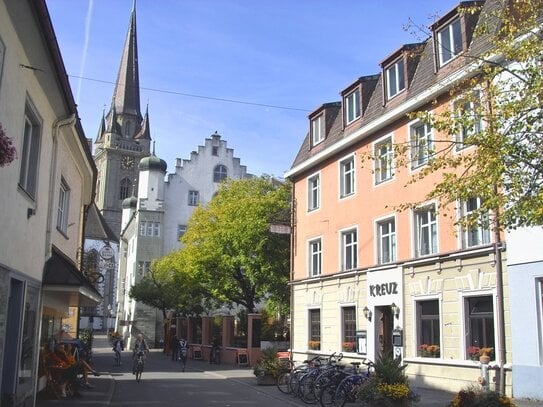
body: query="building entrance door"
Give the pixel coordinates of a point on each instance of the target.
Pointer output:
(385, 325)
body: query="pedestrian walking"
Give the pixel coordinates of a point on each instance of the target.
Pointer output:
(183, 352)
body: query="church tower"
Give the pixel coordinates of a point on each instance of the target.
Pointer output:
(123, 138)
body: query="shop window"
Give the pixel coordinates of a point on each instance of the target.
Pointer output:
(348, 323)
(479, 327)
(428, 323)
(314, 329)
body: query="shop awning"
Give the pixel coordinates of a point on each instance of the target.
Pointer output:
(62, 279)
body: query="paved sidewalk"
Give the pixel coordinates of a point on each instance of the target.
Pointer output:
(104, 385)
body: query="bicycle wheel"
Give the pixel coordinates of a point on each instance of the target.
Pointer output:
(294, 384)
(340, 396)
(282, 382)
(326, 394)
(139, 371)
(307, 389)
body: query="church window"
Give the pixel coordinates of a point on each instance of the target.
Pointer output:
(219, 173)
(126, 186)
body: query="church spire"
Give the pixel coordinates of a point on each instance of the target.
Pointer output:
(126, 96)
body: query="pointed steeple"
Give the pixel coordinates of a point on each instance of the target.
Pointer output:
(111, 120)
(101, 129)
(126, 96)
(145, 131)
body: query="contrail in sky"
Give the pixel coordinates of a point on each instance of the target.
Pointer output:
(85, 47)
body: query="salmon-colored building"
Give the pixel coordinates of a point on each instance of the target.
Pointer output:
(369, 278)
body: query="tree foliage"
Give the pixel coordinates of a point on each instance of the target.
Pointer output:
(229, 249)
(497, 109)
(166, 286)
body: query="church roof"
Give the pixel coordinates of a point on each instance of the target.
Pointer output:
(126, 96)
(152, 162)
(130, 202)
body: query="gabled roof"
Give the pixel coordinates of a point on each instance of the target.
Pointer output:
(96, 227)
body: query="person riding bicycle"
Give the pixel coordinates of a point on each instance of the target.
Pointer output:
(140, 347)
(118, 346)
(183, 348)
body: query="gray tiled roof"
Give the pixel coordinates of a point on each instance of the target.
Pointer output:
(423, 78)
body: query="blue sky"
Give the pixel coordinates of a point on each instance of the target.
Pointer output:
(278, 60)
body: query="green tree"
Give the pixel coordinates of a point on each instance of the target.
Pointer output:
(228, 246)
(498, 112)
(166, 287)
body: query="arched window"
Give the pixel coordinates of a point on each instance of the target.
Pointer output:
(126, 188)
(219, 173)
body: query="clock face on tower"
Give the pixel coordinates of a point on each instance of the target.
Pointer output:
(127, 161)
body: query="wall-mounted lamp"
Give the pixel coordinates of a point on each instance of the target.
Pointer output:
(367, 313)
(395, 310)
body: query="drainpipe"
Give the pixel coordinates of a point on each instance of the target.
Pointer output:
(57, 124)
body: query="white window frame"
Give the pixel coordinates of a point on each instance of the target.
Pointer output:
(483, 235)
(313, 192)
(448, 37)
(348, 249)
(149, 228)
(421, 145)
(392, 244)
(317, 129)
(347, 177)
(395, 78)
(385, 159)
(467, 107)
(428, 228)
(194, 198)
(352, 106)
(30, 152)
(63, 206)
(314, 255)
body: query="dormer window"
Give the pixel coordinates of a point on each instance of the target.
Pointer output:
(352, 106)
(395, 78)
(449, 42)
(317, 130)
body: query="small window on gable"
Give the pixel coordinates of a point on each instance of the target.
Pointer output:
(449, 42)
(317, 130)
(395, 78)
(352, 106)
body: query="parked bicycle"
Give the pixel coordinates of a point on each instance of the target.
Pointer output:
(345, 391)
